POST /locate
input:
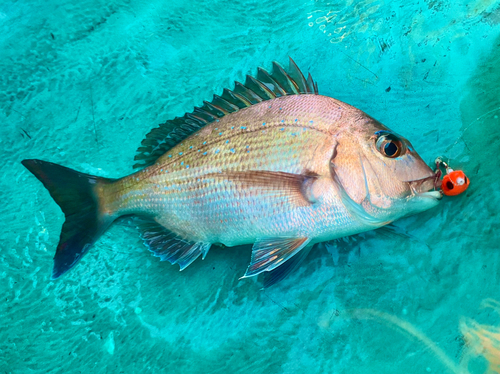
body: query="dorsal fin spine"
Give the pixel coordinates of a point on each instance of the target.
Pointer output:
(242, 98)
(247, 93)
(298, 77)
(310, 83)
(259, 88)
(235, 99)
(284, 79)
(214, 108)
(264, 75)
(196, 118)
(203, 113)
(223, 103)
(217, 107)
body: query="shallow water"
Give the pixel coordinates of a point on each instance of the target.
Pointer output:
(81, 83)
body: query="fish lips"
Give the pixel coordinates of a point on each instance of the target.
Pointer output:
(426, 187)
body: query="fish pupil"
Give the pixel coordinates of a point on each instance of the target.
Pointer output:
(390, 149)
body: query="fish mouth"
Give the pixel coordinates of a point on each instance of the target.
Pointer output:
(436, 195)
(426, 187)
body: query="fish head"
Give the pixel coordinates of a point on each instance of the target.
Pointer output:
(381, 173)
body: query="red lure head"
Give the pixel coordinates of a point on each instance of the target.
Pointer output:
(454, 182)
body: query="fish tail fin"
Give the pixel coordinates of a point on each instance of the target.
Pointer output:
(77, 194)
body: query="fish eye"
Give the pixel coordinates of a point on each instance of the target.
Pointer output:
(389, 145)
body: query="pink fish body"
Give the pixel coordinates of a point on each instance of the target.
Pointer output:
(271, 163)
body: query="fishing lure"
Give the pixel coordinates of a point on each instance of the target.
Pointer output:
(454, 182)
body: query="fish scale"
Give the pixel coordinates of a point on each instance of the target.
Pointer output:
(271, 163)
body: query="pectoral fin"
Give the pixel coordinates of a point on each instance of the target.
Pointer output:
(294, 187)
(269, 253)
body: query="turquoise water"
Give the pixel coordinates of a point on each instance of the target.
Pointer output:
(81, 83)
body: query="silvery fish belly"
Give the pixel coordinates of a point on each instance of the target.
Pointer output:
(271, 163)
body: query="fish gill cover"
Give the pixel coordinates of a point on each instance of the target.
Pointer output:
(82, 83)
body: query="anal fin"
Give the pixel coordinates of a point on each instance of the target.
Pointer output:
(281, 272)
(269, 253)
(170, 247)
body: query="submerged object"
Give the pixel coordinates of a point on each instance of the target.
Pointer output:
(482, 339)
(271, 163)
(454, 182)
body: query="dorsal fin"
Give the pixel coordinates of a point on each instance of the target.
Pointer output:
(256, 89)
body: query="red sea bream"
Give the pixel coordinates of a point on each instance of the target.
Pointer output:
(271, 163)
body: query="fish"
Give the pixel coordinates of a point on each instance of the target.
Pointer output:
(271, 163)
